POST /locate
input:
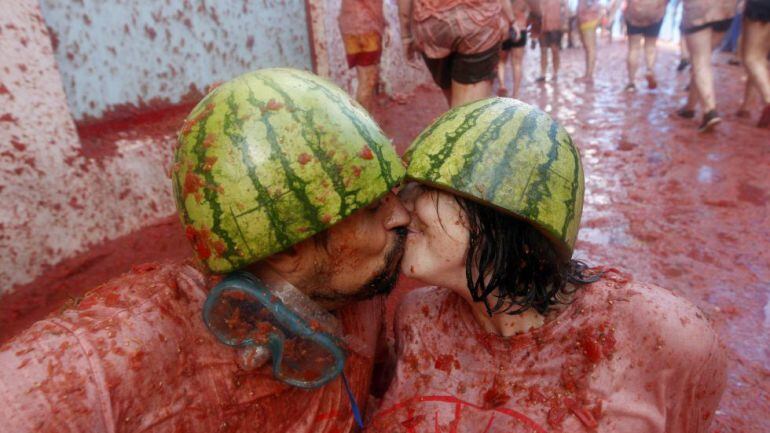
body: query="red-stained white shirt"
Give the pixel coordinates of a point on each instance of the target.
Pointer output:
(135, 356)
(623, 357)
(699, 12)
(645, 12)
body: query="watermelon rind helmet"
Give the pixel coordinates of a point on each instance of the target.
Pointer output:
(271, 158)
(508, 155)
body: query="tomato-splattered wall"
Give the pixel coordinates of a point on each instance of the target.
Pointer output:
(116, 56)
(57, 197)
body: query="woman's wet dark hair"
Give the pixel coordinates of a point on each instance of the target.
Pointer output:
(518, 261)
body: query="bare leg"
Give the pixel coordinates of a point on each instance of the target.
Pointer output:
(650, 52)
(756, 46)
(588, 37)
(748, 95)
(367, 82)
(700, 45)
(543, 59)
(464, 93)
(448, 95)
(555, 53)
(501, 90)
(684, 52)
(634, 52)
(684, 55)
(517, 62)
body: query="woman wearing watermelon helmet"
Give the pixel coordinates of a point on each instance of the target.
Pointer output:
(509, 337)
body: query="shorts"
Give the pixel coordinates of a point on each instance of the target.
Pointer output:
(757, 11)
(464, 68)
(548, 39)
(716, 26)
(513, 42)
(363, 50)
(651, 31)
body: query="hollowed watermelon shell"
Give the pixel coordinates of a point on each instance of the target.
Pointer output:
(273, 157)
(510, 155)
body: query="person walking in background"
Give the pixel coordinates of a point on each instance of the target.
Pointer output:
(513, 47)
(755, 51)
(589, 16)
(643, 20)
(459, 41)
(572, 25)
(704, 23)
(552, 13)
(362, 24)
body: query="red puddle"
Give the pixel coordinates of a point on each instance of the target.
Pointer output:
(682, 210)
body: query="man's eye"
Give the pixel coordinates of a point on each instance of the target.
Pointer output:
(373, 207)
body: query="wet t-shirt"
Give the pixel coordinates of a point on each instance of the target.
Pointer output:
(479, 9)
(623, 357)
(645, 12)
(588, 10)
(699, 12)
(552, 14)
(135, 356)
(359, 17)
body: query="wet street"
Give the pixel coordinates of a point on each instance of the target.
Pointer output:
(687, 211)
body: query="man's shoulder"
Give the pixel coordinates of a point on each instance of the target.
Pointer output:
(178, 281)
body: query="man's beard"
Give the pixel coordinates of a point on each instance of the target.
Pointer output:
(381, 284)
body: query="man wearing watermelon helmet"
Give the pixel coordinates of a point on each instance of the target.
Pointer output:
(278, 173)
(513, 335)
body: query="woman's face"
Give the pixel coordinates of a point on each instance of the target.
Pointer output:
(437, 243)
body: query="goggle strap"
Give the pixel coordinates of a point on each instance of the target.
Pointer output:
(353, 405)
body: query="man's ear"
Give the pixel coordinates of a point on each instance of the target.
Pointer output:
(293, 259)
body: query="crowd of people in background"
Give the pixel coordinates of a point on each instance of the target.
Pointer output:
(467, 44)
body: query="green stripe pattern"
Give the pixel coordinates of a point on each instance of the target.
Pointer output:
(510, 155)
(272, 157)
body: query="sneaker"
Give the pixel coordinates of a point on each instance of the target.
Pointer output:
(540, 79)
(683, 64)
(630, 88)
(764, 119)
(710, 120)
(652, 83)
(685, 113)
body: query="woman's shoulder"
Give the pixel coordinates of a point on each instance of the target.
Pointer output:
(670, 323)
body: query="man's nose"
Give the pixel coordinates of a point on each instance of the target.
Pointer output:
(396, 214)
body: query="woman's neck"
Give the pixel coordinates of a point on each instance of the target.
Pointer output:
(507, 325)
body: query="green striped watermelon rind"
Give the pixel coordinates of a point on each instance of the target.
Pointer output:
(508, 155)
(271, 158)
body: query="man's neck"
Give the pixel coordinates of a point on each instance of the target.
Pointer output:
(295, 297)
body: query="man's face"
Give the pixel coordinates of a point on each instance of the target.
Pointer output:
(362, 254)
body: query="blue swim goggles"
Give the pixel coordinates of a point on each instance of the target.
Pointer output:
(242, 312)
